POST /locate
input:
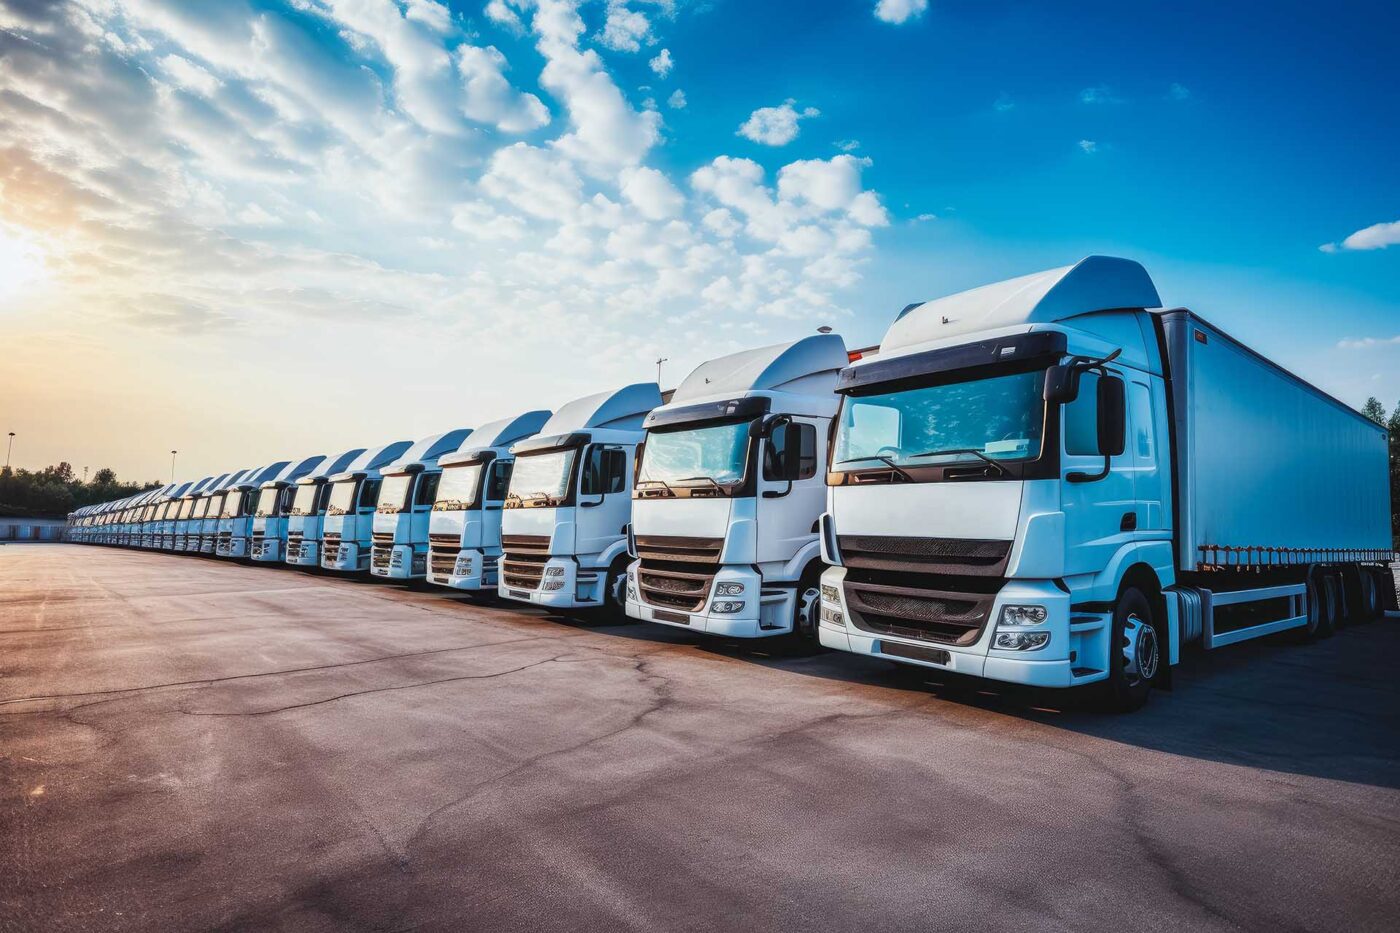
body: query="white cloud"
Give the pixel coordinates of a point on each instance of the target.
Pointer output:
(776, 126)
(1089, 146)
(1376, 236)
(652, 193)
(899, 11)
(625, 29)
(662, 63)
(1099, 94)
(1178, 91)
(1362, 343)
(499, 12)
(190, 76)
(489, 97)
(677, 100)
(1003, 103)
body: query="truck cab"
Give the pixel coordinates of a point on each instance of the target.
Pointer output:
(235, 526)
(169, 523)
(569, 500)
(349, 501)
(191, 514)
(277, 499)
(464, 527)
(729, 489)
(206, 530)
(406, 497)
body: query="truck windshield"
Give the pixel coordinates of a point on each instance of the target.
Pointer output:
(267, 502)
(233, 505)
(393, 495)
(715, 452)
(458, 487)
(342, 497)
(542, 476)
(305, 501)
(1001, 418)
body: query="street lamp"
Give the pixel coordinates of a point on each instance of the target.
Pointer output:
(659, 361)
(172, 465)
(10, 447)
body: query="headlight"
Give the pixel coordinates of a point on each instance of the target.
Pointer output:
(1022, 641)
(550, 585)
(554, 572)
(1023, 615)
(833, 617)
(726, 606)
(729, 589)
(830, 594)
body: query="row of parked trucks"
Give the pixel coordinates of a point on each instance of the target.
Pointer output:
(1050, 481)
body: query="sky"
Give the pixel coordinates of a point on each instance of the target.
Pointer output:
(253, 230)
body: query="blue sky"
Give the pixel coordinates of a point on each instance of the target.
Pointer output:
(212, 213)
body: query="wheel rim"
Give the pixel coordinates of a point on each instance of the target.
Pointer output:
(615, 590)
(807, 602)
(1140, 654)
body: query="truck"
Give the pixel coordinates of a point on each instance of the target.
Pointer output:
(307, 517)
(464, 526)
(1055, 481)
(235, 519)
(207, 528)
(349, 509)
(728, 492)
(569, 500)
(233, 533)
(146, 535)
(191, 514)
(277, 498)
(400, 524)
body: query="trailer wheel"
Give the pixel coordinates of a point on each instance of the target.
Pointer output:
(1329, 606)
(1370, 592)
(1135, 652)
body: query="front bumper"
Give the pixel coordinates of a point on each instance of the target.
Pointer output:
(236, 548)
(469, 570)
(398, 562)
(1051, 666)
(267, 550)
(308, 554)
(577, 588)
(347, 558)
(763, 615)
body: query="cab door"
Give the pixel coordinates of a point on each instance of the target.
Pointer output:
(1101, 512)
(604, 500)
(788, 510)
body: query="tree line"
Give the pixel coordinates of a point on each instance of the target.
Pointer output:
(1374, 410)
(54, 491)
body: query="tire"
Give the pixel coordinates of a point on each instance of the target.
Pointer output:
(615, 594)
(1134, 655)
(806, 614)
(1329, 606)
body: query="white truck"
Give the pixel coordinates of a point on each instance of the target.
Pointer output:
(169, 524)
(276, 499)
(563, 527)
(400, 524)
(191, 516)
(464, 527)
(351, 489)
(349, 520)
(233, 536)
(729, 489)
(1052, 481)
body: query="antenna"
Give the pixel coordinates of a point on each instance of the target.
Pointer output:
(659, 361)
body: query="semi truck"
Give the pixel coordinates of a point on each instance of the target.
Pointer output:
(728, 492)
(191, 514)
(234, 531)
(464, 527)
(349, 511)
(307, 518)
(1055, 481)
(169, 516)
(207, 528)
(569, 500)
(400, 524)
(276, 500)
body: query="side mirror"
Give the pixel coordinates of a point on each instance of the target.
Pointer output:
(1062, 383)
(1112, 421)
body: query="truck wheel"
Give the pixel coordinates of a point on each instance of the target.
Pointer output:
(806, 616)
(1329, 605)
(615, 593)
(1370, 593)
(1135, 653)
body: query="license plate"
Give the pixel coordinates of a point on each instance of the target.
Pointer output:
(915, 652)
(663, 616)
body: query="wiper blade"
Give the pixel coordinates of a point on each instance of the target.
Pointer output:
(708, 479)
(966, 450)
(883, 459)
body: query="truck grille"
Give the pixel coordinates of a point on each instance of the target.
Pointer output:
(379, 557)
(294, 539)
(525, 544)
(382, 537)
(934, 613)
(686, 590)
(523, 571)
(441, 563)
(924, 555)
(679, 548)
(330, 547)
(448, 539)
